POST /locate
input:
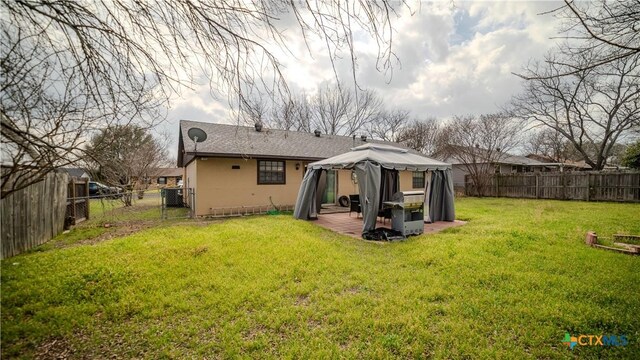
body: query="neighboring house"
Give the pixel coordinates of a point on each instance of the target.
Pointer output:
(77, 173)
(246, 167)
(507, 164)
(564, 165)
(167, 177)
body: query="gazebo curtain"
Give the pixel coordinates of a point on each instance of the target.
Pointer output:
(306, 202)
(441, 197)
(369, 176)
(390, 185)
(427, 196)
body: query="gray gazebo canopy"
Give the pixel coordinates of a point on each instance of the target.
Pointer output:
(376, 168)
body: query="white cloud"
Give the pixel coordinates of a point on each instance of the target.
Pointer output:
(454, 60)
(489, 41)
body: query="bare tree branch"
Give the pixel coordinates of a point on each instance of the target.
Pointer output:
(607, 31)
(70, 69)
(479, 144)
(423, 136)
(593, 109)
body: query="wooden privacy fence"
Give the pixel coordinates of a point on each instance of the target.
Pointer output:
(588, 186)
(33, 215)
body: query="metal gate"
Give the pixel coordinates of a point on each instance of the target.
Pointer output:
(77, 201)
(176, 199)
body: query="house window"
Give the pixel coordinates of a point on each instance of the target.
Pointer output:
(271, 172)
(418, 179)
(162, 180)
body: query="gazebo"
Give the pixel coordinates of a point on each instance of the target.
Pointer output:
(376, 167)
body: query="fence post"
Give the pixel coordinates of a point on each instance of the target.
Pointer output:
(588, 186)
(73, 200)
(193, 203)
(86, 196)
(537, 186)
(467, 190)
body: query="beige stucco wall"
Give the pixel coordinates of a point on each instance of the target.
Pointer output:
(220, 186)
(406, 180)
(190, 181)
(346, 186)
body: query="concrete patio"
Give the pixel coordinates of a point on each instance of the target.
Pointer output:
(344, 224)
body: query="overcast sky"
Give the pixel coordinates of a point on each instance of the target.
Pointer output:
(454, 60)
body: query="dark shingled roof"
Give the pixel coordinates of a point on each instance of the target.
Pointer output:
(243, 141)
(169, 172)
(504, 158)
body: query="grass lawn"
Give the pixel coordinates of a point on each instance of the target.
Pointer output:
(509, 284)
(109, 218)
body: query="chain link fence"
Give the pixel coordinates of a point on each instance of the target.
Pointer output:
(177, 203)
(77, 202)
(146, 205)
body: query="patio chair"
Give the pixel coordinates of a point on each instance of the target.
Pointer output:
(354, 204)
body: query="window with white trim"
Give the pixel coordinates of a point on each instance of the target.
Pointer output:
(271, 172)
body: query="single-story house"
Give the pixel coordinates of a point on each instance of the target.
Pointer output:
(238, 167)
(167, 177)
(566, 165)
(506, 164)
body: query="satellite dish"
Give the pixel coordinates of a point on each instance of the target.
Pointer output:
(197, 134)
